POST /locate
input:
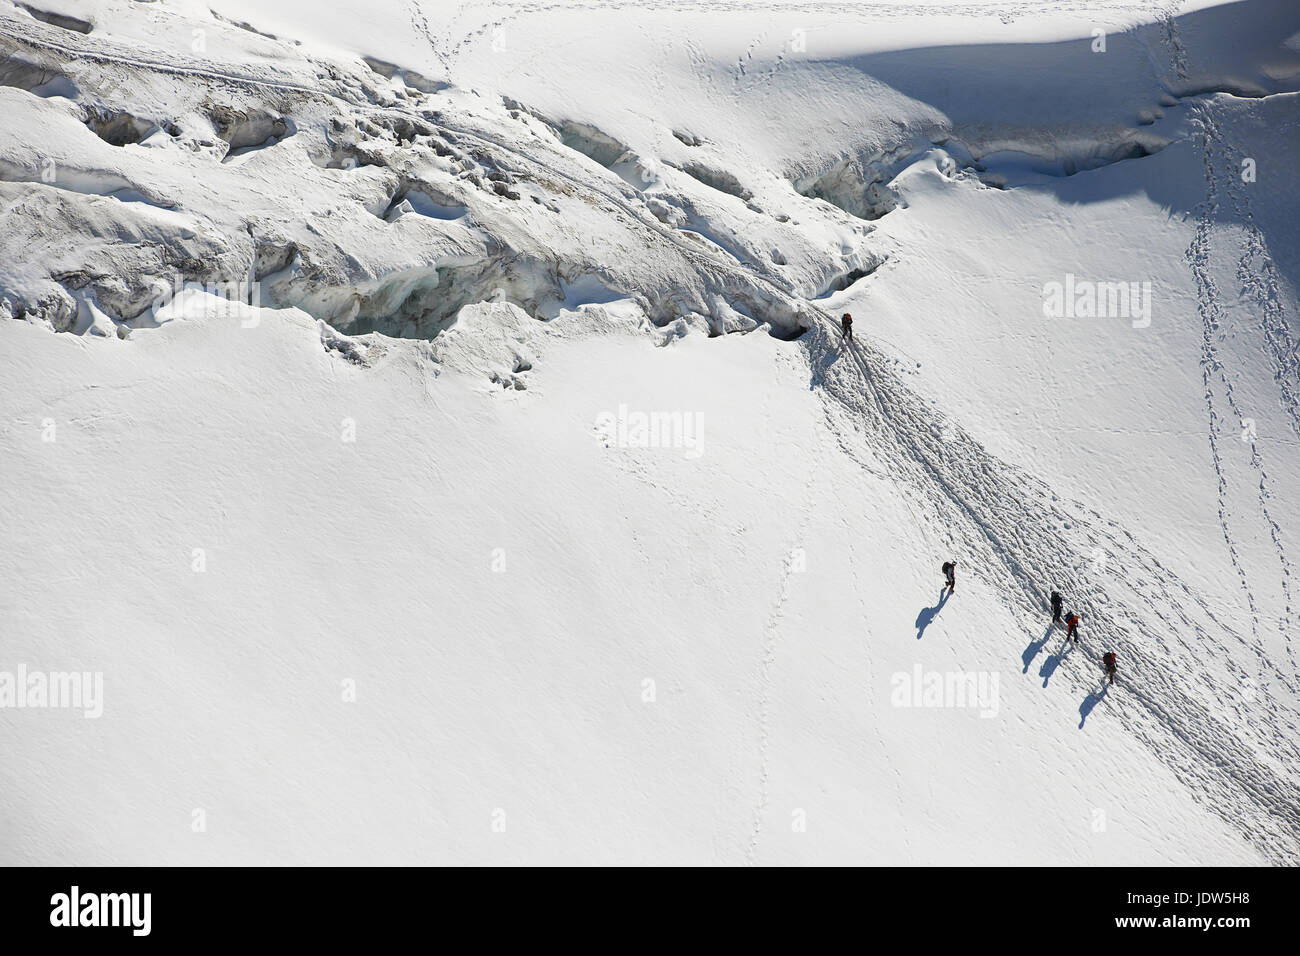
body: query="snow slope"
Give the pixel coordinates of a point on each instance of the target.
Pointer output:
(515, 225)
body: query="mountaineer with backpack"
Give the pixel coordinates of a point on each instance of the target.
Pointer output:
(846, 326)
(1056, 607)
(1109, 660)
(949, 569)
(1072, 627)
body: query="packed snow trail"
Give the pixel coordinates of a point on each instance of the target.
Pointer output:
(1185, 693)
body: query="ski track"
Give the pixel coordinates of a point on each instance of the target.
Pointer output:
(1219, 168)
(1212, 320)
(770, 641)
(1198, 257)
(1258, 275)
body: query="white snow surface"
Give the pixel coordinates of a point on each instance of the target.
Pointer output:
(376, 566)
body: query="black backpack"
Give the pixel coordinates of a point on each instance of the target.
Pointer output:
(946, 567)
